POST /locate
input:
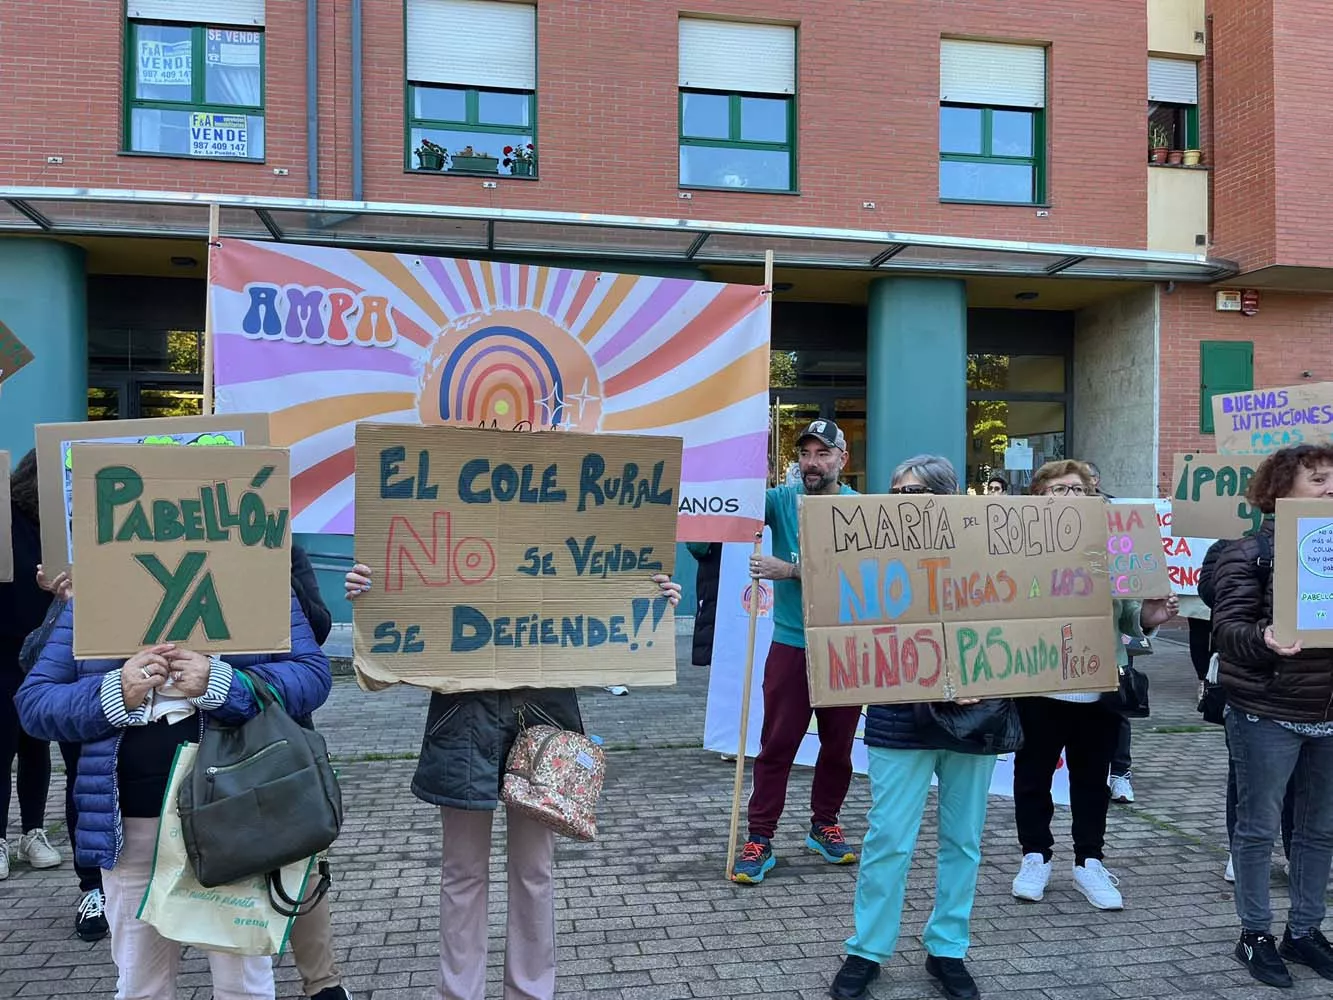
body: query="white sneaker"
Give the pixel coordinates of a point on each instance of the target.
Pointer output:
(1230, 874)
(1121, 789)
(1031, 881)
(617, 689)
(1099, 885)
(37, 850)
(4, 860)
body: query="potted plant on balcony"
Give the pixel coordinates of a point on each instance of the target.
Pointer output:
(521, 160)
(469, 161)
(1175, 157)
(1158, 142)
(430, 156)
(1192, 157)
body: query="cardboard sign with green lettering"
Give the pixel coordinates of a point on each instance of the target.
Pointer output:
(505, 560)
(924, 598)
(1262, 421)
(6, 542)
(1208, 499)
(184, 545)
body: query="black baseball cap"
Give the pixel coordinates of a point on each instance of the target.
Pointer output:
(826, 432)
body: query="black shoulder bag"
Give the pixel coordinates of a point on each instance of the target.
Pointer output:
(990, 727)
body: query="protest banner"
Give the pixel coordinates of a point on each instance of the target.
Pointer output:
(6, 542)
(514, 560)
(1261, 421)
(926, 598)
(1136, 559)
(324, 337)
(1184, 556)
(14, 354)
(1209, 496)
(1303, 573)
(55, 478)
(181, 545)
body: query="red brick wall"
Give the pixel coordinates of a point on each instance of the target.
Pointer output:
(868, 92)
(1290, 336)
(1303, 54)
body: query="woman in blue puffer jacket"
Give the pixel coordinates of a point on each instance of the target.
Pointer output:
(130, 716)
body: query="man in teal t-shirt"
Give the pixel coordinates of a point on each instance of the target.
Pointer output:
(787, 710)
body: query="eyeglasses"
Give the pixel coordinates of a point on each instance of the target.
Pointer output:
(911, 490)
(1063, 490)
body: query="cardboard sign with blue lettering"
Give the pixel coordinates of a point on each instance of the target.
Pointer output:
(503, 560)
(935, 598)
(1261, 421)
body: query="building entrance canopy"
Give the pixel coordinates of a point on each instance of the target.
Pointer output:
(461, 231)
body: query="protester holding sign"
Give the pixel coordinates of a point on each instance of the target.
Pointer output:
(461, 770)
(1085, 727)
(903, 761)
(787, 708)
(131, 715)
(1279, 728)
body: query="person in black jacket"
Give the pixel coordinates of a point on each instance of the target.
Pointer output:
(709, 557)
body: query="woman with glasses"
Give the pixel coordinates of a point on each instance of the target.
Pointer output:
(1086, 727)
(902, 764)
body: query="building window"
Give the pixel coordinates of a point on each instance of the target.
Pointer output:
(737, 106)
(472, 87)
(992, 122)
(1173, 106)
(1224, 366)
(195, 90)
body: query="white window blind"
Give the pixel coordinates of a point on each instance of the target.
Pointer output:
(248, 12)
(1174, 81)
(737, 56)
(992, 73)
(472, 43)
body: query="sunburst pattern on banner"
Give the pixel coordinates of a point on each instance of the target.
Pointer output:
(321, 338)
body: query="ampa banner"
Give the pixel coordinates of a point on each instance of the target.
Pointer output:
(321, 338)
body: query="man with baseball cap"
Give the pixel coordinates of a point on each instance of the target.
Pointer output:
(822, 451)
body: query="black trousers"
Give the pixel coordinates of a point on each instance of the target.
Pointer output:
(33, 756)
(89, 878)
(1087, 733)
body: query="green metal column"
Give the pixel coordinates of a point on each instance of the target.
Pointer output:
(43, 301)
(916, 374)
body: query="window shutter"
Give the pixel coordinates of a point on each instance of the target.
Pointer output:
(1224, 366)
(472, 43)
(994, 74)
(737, 57)
(1173, 81)
(245, 12)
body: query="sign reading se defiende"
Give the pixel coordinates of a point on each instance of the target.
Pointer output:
(926, 598)
(1134, 553)
(1303, 573)
(514, 560)
(6, 542)
(1261, 421)
(184, 545)
(1209, 496)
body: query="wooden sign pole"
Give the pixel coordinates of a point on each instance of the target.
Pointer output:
(739, 783)
(214, 213)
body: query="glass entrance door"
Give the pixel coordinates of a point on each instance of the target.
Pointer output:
(792, 412)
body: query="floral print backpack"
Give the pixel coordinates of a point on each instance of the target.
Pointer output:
(555, 777)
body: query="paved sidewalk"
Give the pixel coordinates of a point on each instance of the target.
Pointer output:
(645, 913)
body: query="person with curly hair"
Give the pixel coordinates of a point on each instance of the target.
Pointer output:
(1279, 724)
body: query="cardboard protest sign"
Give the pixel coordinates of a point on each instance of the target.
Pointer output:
(6, 543)
(182, 545)
(1209, 496)
(1184, 555)
(926, 598)
(55, 478)
(1303, 573)
(14, 354)
(1261, 421)
(1136, 559)
(507, 560)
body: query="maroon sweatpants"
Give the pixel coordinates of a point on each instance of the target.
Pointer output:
(786, 721)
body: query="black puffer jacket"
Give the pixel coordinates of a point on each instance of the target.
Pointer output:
(893, 727)
(705, 587)
(469, 736)
(1257, 681)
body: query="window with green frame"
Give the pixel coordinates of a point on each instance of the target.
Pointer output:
(737, 141)
(468, 130)
(1178, 124)
(992, 154)
(194, 90)
(1224, 366)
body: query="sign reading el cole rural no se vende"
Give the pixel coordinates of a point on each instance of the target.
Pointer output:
(922, 598)
(507, 560)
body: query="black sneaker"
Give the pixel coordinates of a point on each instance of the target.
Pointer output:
(1312, 950)
(1258, 953)
(332, 993)
(953, 977)
(854, 978)
(90, 918)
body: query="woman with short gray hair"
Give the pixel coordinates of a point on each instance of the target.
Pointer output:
(903, 760)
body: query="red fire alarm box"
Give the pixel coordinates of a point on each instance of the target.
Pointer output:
(1249, 302)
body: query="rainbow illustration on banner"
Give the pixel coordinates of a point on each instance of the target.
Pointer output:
(321, 338)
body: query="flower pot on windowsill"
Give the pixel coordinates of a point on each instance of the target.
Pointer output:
(1192, 157)
(431, 161)
(473, 164)
(521, 169)
(1175, 157)
(1158, 154)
